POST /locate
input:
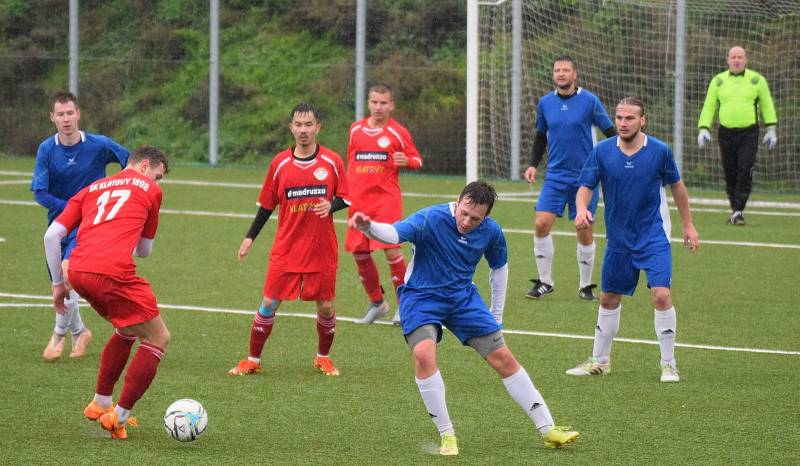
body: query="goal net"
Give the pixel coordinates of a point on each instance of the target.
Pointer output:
(627, 47)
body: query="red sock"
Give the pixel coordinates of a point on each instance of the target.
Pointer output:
(326, 329)
(262, 327)
(397, 268)
(368, 273)
(112, 361)
(140, 374)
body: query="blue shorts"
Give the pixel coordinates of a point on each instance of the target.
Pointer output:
(621, 269)
(554, 196)
(463, 312)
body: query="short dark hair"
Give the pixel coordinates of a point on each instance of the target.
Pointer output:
(380, 88)
(633, 101)
(479, 193)
(304, 108)
(63, 97)
(566, 58)
(153, 154)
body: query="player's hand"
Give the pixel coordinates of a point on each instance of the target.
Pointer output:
(244, 248)
(770, 138)
(400, 159)
(60, 293)
(530, 175)
(690, 237)
(703, 137)
(359, 221)
(583, 219)
(323, 208)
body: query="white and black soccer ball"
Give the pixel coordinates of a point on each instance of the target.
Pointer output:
(185, 420)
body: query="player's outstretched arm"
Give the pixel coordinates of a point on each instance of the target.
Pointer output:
(52, 249)
(383, 232)
(690, 237)
(583, 217)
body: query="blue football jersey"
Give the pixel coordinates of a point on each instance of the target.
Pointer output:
(568, 122)
(636, 212)
(443, 258)
(64, 170)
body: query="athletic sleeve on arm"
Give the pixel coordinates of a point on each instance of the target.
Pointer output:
(338, 204)
(52, 250)
(765, 103)
(47, 200)
(143, 248)
(262, 215)
(383, 232)
(539, 146)
(498, 282)
(709, 105)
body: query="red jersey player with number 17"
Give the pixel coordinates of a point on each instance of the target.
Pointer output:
(378, 148)
(307, 181)
(117, 214)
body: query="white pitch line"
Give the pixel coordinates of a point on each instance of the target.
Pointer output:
(208, 213)
(218, 310)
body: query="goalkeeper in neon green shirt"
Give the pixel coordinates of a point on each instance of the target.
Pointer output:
(738, 93)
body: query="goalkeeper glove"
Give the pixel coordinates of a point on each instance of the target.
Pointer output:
(703, 137)
(771, 138)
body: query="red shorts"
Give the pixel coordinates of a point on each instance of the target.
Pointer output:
(355, 241)
(122, 301)
(310, 286)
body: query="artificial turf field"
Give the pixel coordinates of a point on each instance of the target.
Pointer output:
(736, 298)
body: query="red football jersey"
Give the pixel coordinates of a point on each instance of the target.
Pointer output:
(371, 173)
(304, 242)
(113, 213)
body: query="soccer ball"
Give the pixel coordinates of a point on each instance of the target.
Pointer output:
(185, 420)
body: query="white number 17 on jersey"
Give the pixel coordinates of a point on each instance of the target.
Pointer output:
(122, 195)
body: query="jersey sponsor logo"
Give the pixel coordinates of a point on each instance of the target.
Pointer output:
(301, 192)
(384, 142)
(320, 173)
(370, 169)
(372, 156)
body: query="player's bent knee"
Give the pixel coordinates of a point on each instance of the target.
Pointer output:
(487, 344)
(420, 334)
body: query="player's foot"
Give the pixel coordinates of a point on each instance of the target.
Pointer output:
(669, 373)
(449, 445)
(325, 365)
(586, 292)
(54, 348)
(396, 318)
(93, 411)
(374, 312)
(560, 436)
(80, 343)
(736, 218)
(590, 367)
(110, 422)
(245, 367)
(539, 289)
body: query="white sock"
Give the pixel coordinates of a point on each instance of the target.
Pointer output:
(432, 391)
(122, 414)
(255, 360)
(543, 252)
(62, 322)
(585, 263)
(103, 400)
(666, 323)
(74, 313)
(604, 333)
(521, 388)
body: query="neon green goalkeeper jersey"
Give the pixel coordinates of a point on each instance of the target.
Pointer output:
(738, 97)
